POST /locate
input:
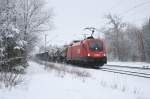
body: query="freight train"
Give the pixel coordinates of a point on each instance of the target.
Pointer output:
(88, 52)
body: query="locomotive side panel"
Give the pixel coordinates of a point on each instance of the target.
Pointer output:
(84, 49)
(76, 51)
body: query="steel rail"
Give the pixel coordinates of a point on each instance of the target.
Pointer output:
(127, 71)
(131, 67)
(144, 75)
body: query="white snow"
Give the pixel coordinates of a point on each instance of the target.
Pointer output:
(131, 64)
(19, 68)
(42, 84)
(15, 29)
(2, 49)
(17, 47)
(10, 36)
(21, 43)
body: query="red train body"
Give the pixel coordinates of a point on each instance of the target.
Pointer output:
(90, 51)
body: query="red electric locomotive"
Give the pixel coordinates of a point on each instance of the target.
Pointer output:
(89, 51)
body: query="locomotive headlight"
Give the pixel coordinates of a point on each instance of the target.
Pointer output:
(104, 54)
(89, 54)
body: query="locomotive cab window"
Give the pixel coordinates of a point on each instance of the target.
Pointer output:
(96, 46)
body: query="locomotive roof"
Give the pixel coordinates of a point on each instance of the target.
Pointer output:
(90, 37)
(76, 42)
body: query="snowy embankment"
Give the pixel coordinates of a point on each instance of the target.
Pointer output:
(59, 84)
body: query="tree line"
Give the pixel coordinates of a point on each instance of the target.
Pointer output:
(126, 41)
(21, 21)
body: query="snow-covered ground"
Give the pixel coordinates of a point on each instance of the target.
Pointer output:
(135, 64)
(50, 84)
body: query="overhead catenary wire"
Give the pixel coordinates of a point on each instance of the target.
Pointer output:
(127, 12)
(135, 7)
(123, 14)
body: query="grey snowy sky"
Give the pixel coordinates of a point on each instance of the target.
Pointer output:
(71, 16)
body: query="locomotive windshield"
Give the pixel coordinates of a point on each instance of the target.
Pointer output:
(96, 46)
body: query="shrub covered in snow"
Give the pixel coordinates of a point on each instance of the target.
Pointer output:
(9, 80)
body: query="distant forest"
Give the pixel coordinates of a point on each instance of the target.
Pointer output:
(126, 41)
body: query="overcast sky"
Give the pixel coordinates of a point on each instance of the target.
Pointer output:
(71, 16)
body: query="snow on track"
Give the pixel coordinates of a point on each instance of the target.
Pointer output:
(145, 73)
(130, 64)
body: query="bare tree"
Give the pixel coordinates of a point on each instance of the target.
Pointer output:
(116, 26)
(135, 42)
(126, 41)
(146, 39)
(21, 21)
(33, 19)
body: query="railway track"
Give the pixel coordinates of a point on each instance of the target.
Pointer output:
(141, 72)
(133, 67)
(126, 70)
